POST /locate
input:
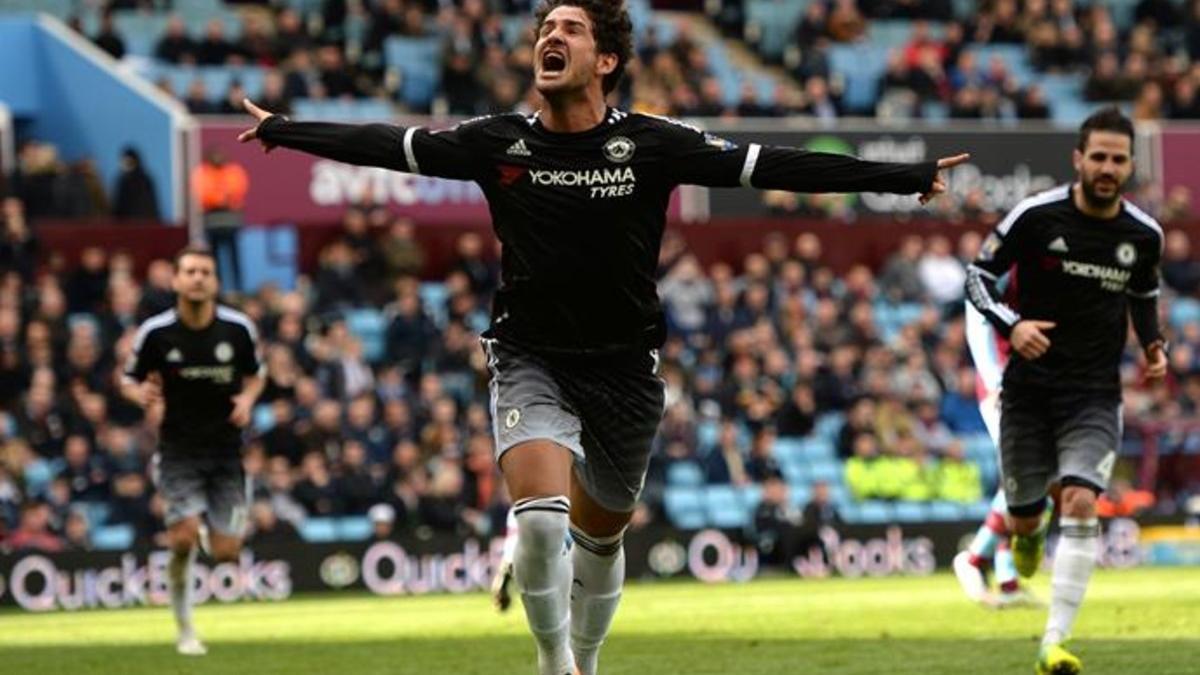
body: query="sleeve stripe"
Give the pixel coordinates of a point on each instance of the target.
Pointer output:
(234, 316)
(1148, 294)
(984, 300)
(409, 155)
(751, 162)
(157, 321)
(983, 273)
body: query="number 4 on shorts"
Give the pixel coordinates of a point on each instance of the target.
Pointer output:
(1105, 466)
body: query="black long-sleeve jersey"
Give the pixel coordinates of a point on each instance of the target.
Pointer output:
(1088, 275)
(201, 371)
(581, 215)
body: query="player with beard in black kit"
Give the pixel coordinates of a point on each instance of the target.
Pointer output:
(197, 368)
(1085, 263)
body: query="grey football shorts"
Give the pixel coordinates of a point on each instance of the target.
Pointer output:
(1047, 436)
(216, 488)
(605, 410)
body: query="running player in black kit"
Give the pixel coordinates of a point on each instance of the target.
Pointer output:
(578, 194)
(197, 368)
(1086, 262)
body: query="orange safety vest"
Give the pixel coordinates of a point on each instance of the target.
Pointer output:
(220, 187)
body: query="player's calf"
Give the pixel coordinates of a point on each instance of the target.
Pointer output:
(544, 575)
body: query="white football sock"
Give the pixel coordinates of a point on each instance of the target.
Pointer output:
(1073, 563)
(510, 537)
(179, 581)
(543, 572)
(599, 564)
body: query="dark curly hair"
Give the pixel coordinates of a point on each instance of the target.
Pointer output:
(611, 26)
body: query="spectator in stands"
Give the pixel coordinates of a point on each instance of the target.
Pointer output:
(1184, 103)
(402, 254)
(197, 99)
(1032, 105)
(901, 277)
(214, 49)
(176, 46)
(863, 471)
(337, 78)
(267, 530)
(77, 535)
(957, 479)
(383, 522)
(1105, 82)
(762, 464)
(220, 186)
(316, 491)
(941, 274)
(818, 101)
(85, 475)
(18, 245)
(134, 193)
(108, 38)
(1179, 270)
(33, 532)
(777, 524)
(813, 25)
(1148, 106)
(726, 463)
(798, 416)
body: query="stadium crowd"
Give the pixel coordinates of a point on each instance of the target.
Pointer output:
(337, 51)
(758, 351)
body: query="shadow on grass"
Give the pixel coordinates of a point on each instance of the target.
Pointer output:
(636, 655)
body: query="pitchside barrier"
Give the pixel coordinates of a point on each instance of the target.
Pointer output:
(40, 582)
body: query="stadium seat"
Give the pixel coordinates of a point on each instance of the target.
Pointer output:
(319, 530)
(707, 434)
(819, 449)
(830, 425)
(370, 327)
(796, 473)
(685, 507)
(268, 255)
(724, 508)
(751, 497)
(417, 61)
(877, 512)
(353, 528)
(434, 298)
(947, 511)
(685, 474)
(799, 496)
(788, 450)
(911, 512)
(978, 510)
(112, 537)
(1184, 311)
(264, 418)
(827, 471)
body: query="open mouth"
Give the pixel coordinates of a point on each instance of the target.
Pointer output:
(554, 61)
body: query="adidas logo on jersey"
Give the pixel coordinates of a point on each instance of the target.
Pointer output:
(1058, 245)
(518, 149)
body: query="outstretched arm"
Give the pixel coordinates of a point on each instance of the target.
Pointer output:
(703, 159)
(412, 149)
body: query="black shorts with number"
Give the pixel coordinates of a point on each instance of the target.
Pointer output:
(605, 410)
(1047, 435)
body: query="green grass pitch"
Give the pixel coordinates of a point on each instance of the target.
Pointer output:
(1142, 621)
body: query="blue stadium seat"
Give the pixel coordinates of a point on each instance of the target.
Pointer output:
(796, 473)
(370, 326)
(353, 528)
(433, 298)
(707, 434)
(96, 513)
(264, 418)
(874, 511)
(319, 530)
(819, 449)
(827, 471)
(418, 63)
(851, 512)
(685, 474)
(751, 497)
(830, 425)
(911, 512)
(724, 508)
(1184, 311)
(947, 511)
(268, 255)
(113, 537)
(799, 496)
(977, 510)
(685, 507)
(788, 450)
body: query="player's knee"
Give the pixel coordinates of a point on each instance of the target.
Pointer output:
(1025, 525)
(183, 536)
(1078, 502)
(542, 523)
(226, 551)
